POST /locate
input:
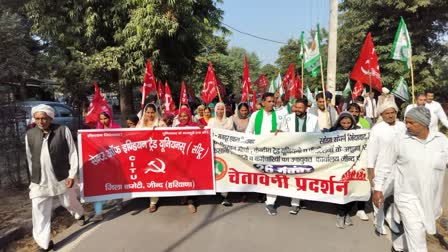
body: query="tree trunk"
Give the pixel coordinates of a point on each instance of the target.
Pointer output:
(126, 102)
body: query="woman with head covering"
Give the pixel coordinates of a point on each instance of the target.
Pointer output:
(220, 120)
(241, 118)
(132, 121)
(151, 119)
(199, 112)
(186, 120)
(345, 122)
(104, 122)
(206, 117)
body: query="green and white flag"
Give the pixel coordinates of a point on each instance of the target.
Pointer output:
(347, 90)
(401, 49)
(312, 55)
(309, 95)
(302, 44)
(278, 85)
(401, 90)
(272, 87)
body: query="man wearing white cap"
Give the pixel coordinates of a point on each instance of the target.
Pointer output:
(53, 164)
(420, 157)
(383, 134)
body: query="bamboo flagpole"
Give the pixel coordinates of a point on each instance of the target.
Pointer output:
(219, 94)
(302, 77)
(412, 79)
(323, 83)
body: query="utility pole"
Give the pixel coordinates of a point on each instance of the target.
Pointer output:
(332, 49)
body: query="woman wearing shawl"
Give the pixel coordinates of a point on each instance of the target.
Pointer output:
(241, 118)
(345, 122)
(220, 120)
(151, 120)
(104, 122)
(199, 113)
(186, 120)
(206, 117)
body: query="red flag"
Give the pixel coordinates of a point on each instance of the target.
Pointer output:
(299, 87)
(160, 89)
(289, 83)
(357, 90)
(149, 83)
(183, 94)
(98, 105)
(366, 65)
(261, 83)
(191, 93)
(209, 91)
(254, 100)
(246, 82)
(168, 102)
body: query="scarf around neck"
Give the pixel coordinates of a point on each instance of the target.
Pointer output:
(259, 121)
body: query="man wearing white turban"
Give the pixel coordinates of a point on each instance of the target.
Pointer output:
(53, 164)
(420, 157)
(383, 134)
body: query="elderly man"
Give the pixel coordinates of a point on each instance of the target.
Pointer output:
(420, 157)
(300, 121)
(53, 164)
(383, 134)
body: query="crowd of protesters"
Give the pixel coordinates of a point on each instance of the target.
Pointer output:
(404, 159)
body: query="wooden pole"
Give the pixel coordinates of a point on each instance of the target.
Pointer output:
(217, 89)
(412, 80)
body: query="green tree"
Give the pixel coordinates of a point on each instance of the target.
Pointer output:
(110, 41)
(427, 22)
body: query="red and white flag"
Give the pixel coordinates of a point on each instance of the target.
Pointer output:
(246, 82)
(289, 83)
(358, 89)
(183, 94)
(149, 83)
(209, 90)
(261, 83)
(96, 107)
(168, 102)
(191, 93)
(366, 69)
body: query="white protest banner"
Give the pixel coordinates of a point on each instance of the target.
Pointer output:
(329, 167)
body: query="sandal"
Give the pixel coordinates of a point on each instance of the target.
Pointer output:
(152, 208)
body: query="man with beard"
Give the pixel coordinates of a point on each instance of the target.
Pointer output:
(300, 121)
(355, 110)
(420, 157)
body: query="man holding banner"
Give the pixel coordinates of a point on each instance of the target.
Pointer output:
(264, 122)
(300, 121)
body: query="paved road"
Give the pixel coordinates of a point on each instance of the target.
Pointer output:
(243, 227)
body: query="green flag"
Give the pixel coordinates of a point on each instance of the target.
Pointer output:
(401, 49)
(272, 87)
(309, 95)
(302, 43)
(401, 90)
(312, 55)
(278, 84)
(347, 90)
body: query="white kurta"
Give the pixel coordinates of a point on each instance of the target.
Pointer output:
(49, 186)
(419, 173)
(433, 124)
(437, 109)
(224, 123)
(281, 113)
(370, 107)
(266, 125)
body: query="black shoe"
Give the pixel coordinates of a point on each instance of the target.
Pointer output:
(50, 247)
(81, 221)
(225, 202)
